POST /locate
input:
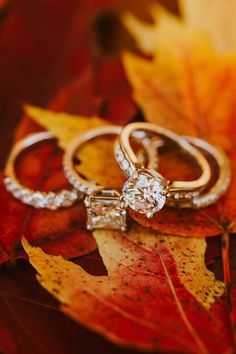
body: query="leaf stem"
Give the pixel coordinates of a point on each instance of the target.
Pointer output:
(225, 243)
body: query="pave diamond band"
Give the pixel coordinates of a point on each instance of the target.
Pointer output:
(37, 199)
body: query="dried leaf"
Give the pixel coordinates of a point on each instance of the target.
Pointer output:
(143, 298)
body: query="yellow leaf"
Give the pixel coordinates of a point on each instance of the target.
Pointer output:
(63, 125)
(216, 18)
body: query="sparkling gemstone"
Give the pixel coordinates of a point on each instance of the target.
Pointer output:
(145, 192)
(38, 200)
(51, 202)
(104, 211)
(119, 154)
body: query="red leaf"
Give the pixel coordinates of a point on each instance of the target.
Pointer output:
(59, 232)
(142, 302)
(31, 322)
(100, 89)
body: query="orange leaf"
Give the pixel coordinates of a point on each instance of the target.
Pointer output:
(189, 88)
(215, 17)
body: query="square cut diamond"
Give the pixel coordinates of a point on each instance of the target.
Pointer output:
(104, 211)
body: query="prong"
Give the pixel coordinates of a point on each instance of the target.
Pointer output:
(123, 202)
(135, 175)
(89, 227)
(87, 202)
(123, 212)
(149, 214)
(164, 192)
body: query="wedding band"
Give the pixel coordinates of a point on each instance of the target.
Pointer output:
(82, 184)
(223, 180)
(147, 191)
(104, 209)
(38, 199)
(209, 195)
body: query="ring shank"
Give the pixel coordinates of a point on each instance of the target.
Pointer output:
(78, 181)
(38, 199)
(174, 186)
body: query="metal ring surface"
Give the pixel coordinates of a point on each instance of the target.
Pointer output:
(147, 191)
(38, 199)
(82, 184)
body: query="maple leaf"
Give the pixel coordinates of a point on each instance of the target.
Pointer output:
(188, 86)
(143, 299)
(95, 91)
(219, 26)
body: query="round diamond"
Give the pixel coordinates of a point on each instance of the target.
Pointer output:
(144, 192)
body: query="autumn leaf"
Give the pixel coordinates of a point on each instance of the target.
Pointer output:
(219, 26)
(66, 232)
(30, 319)
(65, 127)
(85, 83)
(188, 86)
(61, 236)
(60, 232)
(44, 48)
(143, 301)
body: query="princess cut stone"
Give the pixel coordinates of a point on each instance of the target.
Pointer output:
(104, 211)
(145, 192)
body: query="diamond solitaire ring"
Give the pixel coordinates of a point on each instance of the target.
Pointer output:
(146, 191)
(37, 199)
(104, 208)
